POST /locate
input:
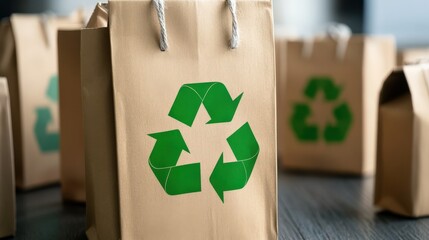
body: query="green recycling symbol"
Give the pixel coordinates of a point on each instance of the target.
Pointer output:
(47, 141)
(169, 145)
(332, 133)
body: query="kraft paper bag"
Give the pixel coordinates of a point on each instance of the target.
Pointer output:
(102, 193)
(412, 56)
(330, 103)
(28, 52)
(195, 119)
(71, 119)
(7, 178)
(281, 54)
(403, 135)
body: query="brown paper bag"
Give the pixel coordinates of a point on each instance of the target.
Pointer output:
(7, 178)
(281, 54)
(164, 192)
(412, 55)
(71, 120)
(403, 127)
(28, 53)
(102, 198)
(330, 103)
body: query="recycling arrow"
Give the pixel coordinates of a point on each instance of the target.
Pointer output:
(235, 175)
(169, 145)
(338, 132)
(213, 95)
(52, 91)
(163, 160)
(332, 133)
(303, 130)
(324, 84)
(48, 142)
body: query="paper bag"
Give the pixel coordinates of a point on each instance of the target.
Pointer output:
(7, 178)
(28, 53)
(71, 120)
(330, 103)
(403, 135)
(195, 123)
(281, 54)
(102, 193)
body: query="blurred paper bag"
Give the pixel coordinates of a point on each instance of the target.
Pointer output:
(403, 136)
(28, 52)
(7, 178)
(281, 54)
(330, 103)
(102, 197)
(71, 120)
(412, 56)
(195, 124)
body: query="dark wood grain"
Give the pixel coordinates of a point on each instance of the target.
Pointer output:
(41, 214)
(310, 207)
(322, 207)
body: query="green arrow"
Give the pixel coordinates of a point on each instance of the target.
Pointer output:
(48, 142)
(298, 122)
(235, 175)
(213, 95)
(338, 132)
(52, 91)
(163, 159)
(325, 84)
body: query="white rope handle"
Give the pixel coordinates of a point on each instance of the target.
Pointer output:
(235, 37)
(44, 23)
(307, 46)
(163, 42)
(160, 10)
(341, 33)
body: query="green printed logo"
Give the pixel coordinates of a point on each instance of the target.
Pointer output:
(47, 141)
(215, 98)
(332, 133)
(169, 145)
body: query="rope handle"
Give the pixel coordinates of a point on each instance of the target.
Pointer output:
(337, 31)
(45, 18)
(163, 42)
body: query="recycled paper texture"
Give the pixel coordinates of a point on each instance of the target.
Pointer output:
(28, 52)
(71, 122)
(403, 155)
(7, 178)
(195, 124)
(102, 193)
(330, 103)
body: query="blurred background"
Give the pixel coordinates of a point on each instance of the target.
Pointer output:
(407, 20)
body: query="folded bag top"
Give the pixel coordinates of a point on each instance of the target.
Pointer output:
(402, 155)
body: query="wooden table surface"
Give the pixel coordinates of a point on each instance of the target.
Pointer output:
(310, 207)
